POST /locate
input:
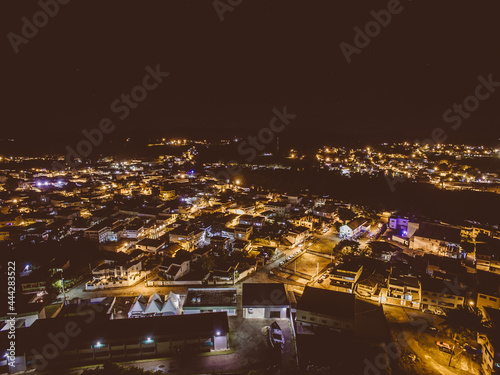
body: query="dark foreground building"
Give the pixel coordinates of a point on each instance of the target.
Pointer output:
(85, 339)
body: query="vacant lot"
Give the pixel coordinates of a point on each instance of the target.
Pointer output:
(308, 264)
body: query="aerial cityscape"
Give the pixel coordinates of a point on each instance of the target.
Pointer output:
(249, 188)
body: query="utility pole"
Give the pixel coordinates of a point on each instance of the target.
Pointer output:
(451, 355)
(64, 293)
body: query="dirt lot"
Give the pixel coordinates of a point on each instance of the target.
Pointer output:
(409, 327)
(308, 264)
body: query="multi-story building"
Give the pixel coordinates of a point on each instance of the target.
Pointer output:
(345, 276)
(488, 290)
(353, 228)
(326, 309)
(438, 294)
(438, 239)
(97, 233)
(402, 290)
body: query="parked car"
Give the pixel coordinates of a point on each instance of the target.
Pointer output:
(276, 336)
(472, 350)
(445, 349)
(444, 346)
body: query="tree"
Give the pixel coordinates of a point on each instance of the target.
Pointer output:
(467, 246)
(345, 214)
(462, 323)
(207, 264)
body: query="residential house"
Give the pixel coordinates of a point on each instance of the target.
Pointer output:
(187, 236)
(177, 267)
(297, 235)
(488, 254)
(440, 294)
(402, 290)
(264, 300)
(488, 290)
(490, 342)
(97, 233)
(243, 232)
(279, 209)
(354, 228)
(324, 308)
(208, 300)
(150, 245)
(438, 239)
(345, 276)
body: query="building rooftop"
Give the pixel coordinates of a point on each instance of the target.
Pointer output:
(264, 295)
(105, 331)
(327, 302)
(208, 297)
(439, 232)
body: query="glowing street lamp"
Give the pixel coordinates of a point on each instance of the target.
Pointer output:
(98, 344)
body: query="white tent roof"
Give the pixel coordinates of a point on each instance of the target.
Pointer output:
(138, 306)
(171, 305)
(155, 304)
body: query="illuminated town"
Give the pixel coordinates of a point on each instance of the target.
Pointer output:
(233, 187)
(170, 239)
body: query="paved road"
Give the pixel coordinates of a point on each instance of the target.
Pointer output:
(412, 324)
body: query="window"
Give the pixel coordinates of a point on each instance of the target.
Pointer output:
(493, 299)
(481, 296)
(303, 317)
(312, 319)
(425, 299)
(323, 321)
(275, 314)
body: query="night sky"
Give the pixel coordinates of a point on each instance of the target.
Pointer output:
(227, 76)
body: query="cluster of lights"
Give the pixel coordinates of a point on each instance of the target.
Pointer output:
(148, 340)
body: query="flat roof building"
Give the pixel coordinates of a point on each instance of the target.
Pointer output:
(206, 300)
